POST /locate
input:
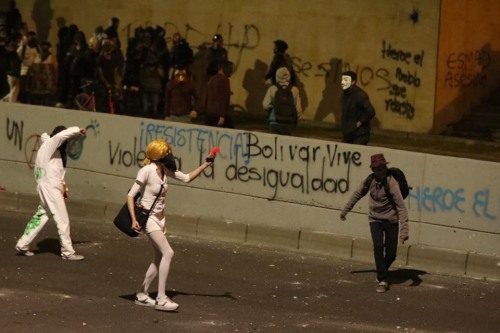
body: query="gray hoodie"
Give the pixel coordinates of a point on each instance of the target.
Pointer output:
(283, 79)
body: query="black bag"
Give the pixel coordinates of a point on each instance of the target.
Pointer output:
(399, 175)
(285, 111)
(123, 220)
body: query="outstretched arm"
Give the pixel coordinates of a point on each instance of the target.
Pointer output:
(356, 196)
(187, 178)
(196, 172)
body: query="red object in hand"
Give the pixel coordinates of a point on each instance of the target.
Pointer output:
(212, 153)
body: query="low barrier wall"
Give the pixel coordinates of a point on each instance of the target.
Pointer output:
(265, 181)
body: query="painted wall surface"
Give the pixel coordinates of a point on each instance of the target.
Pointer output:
(468, 60)
(391, 44)
(259, 178)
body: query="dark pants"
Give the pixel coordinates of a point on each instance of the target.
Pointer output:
(385, 245)
(282, 129)
(357, 140)
(213, 120)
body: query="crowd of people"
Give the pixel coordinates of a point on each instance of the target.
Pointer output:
(131, 81)
(151, 79)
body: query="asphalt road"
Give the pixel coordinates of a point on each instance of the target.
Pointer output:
(222, 287)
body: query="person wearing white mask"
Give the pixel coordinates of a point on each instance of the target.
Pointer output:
(357, 111)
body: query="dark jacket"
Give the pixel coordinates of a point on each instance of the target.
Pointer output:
(280, 59)
(13, 64)
(218, 93)
(180, 98)
(181, 55)
(356, 107)
(216, 57)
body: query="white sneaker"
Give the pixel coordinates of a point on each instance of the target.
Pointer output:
(144, 300)
(24, 252)
(166, 304)
(382, 287)
(73, 257)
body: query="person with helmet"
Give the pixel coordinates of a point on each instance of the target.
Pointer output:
(151, 184)
(217, 55)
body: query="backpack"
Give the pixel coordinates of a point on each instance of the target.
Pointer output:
(399, 176)
(285, 111)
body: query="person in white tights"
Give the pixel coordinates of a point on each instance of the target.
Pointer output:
(151, 182)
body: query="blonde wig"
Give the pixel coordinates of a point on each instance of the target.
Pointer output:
(156, 150)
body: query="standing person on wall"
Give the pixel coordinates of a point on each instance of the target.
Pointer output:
(357, 111)
(50, 167)
(151, 183)
(282, 102)
(280, 59)
(216, 55)
(218, 96)
(387, 215)
(181, 98)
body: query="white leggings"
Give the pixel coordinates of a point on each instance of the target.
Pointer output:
(160, 265)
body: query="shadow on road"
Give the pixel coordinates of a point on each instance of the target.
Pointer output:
(172, 294)
(52, 245)
(399, 276)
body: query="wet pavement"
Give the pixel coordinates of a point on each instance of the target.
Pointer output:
(222, 287)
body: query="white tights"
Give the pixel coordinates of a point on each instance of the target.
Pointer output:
(160, 265)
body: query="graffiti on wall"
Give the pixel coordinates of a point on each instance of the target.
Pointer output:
(237, 40)
(438, 199)
(467, 69)
(15, 135)
(406, 78)
(269, 165)
(398, 85)
(304, 168)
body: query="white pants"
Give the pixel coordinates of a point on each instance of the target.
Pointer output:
(51, 204)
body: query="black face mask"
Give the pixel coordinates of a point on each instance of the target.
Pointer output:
(169, 162)
(62, 147)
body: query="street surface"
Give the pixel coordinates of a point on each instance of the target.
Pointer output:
(222, 287)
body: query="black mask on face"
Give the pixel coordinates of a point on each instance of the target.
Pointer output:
(169, 162)
(62, 147)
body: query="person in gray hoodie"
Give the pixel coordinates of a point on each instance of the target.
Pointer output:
(282, 102)
(388, 216)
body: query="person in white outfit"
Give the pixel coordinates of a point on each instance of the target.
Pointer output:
(49, 172)
(151, 183)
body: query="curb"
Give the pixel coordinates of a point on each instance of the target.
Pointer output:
(434, 260)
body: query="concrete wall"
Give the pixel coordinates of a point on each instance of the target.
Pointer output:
(258, 178)
(468, 59)
(391, 44)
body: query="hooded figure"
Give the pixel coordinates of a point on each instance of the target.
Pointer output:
(282, 102)
(280, 59)
(49, 174)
